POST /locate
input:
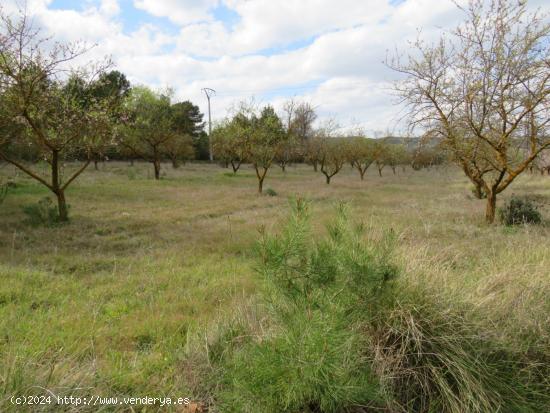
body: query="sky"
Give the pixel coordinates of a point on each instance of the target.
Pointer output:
(329, 53)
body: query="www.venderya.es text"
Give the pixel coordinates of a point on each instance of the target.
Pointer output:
(99, 401)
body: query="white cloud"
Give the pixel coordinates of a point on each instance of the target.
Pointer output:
(110, 7)
(348, 42)
(179, 11)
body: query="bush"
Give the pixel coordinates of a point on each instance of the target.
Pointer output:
(43, 213)
(270, 192)
(519, 211)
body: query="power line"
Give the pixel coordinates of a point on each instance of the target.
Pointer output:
(209, 92)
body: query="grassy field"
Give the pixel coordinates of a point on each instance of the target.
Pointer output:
(119, 299)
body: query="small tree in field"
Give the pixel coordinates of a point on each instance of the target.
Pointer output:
(231, 141)
(313, 151)
(150, 129)
(287, 151)
(360, 154)
(40, 109)
(180, 150)
(267, 135)
(381, 151)
(333, 157)
(396, 155)
(485, 92)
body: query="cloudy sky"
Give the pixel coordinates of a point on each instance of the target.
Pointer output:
(328, 52)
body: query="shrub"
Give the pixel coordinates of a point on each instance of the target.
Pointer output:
(43, 213)
(519, 211)
(270, 192)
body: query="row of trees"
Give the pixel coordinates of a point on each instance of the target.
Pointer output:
(262, 139)
(483, 95)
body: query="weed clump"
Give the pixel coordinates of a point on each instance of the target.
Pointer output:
(518, 211)
(270, 192)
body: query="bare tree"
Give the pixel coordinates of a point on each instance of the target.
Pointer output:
(484, 91)
(302, 120)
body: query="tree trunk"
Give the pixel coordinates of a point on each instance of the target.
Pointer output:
(261, 177)
(380, 172)
(478, 193)
(328, 179)
(283, 167)
(62, 206)
(315, 166)
(132, 162)
(235, 166)
(175, 163)
(156, 164)
(362, 173)
(57, 189)
(96, 162)
(491, 207)
(393, 169)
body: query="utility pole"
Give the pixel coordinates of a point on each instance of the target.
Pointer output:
(209, 92)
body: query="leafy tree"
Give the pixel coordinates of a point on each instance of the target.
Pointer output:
(360, 154)
(41, 110)
(180, 149)
(380, 151)
(396, 155)
(288, 150)
(149, 130)
(231, 141)
(333, 157)
(485, 88)
(313, 150)
(188, 120)
(267, 135)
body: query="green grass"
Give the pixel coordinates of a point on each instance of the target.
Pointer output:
(119, 300)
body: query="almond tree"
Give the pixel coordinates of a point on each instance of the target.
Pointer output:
(380, 154)
(484, 91)
(267, 134)
(333, 157)
(360, 154)
(231, 140)
(40, 110)
(150, 128)
(180, 149)
(312, 150)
